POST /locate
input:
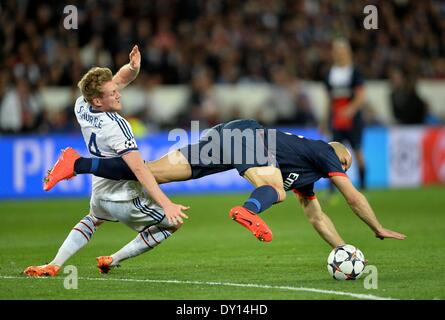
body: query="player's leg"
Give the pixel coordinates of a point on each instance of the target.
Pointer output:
(361, 168)
(143, 216)
(70, 164)
(248, 148)
(145, 241)
(356, 144)
(174, 166)
(171, 167)
(269, 190)
(79, 236)
(269, 177)
(187, 163)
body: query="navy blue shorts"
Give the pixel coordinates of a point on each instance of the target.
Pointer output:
(238, 144)
(353, 136)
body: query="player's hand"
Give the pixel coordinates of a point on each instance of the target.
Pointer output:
(135, 58)
(174, 213)
(385, 233)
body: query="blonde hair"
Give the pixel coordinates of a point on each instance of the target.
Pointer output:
(91, 83)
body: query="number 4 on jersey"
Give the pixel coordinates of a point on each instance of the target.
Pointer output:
(93, 144)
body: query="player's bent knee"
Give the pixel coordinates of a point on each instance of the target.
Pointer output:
(97, 222)
(175, 228)
(281, 194)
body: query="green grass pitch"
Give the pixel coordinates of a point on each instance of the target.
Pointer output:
(212, 257)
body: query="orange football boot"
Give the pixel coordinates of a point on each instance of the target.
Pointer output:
(104, 263)
(63, 169)
(47, 270)
(252, 222)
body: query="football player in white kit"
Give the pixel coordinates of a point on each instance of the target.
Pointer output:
(106, 135)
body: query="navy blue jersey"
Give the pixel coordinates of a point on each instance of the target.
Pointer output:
(303, 161)
(341, 83)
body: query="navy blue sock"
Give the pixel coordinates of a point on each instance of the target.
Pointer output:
(111, 168)
(82, 165)
(262, 198)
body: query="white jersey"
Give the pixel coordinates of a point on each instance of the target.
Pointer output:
(107, 135)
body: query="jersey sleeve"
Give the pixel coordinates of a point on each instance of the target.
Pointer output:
(357, 79)
(120, 135)
(329, 164)
(306, 191)
(326, 82)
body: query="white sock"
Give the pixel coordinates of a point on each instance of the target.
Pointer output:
(77, 238)
(145, 241)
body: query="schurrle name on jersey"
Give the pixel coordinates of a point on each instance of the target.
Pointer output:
(93, 120)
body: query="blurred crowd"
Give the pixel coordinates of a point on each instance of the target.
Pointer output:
(204, 42)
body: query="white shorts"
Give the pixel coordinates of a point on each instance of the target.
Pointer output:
(138, 213)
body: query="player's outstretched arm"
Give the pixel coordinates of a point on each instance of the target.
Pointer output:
(142, 172)
(361, 207)
(130, 71)
(320, 221)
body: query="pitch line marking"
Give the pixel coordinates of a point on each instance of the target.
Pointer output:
(227, 284)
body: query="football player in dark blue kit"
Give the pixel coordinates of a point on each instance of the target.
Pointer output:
(273, 161)
(345, 86)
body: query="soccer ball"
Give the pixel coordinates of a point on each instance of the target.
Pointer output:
(346, 263)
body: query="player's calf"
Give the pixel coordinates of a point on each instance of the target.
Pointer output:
(76, 239)
(261, 199)
(79, 236)
(174, 228)
(145, 241)
(281, 194)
